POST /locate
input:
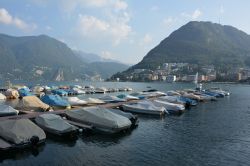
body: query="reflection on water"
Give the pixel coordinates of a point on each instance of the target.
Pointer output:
(212, 133)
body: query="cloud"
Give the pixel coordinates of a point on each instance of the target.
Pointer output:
(93, 27)
(168, 21)
(147, 39)
(154, 8)
(7, 19)
(193, 16)
(48, 28)
(107, 55)
(120, 5)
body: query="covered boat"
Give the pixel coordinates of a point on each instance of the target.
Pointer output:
(172, 99)
(6, 110)
(100, 119)
(94, 101)
(111, 99)
(127, 97)
(21, 132)
(2, 96)
(32, 103)
(140, 95)
(59, 92)
(133, 118)
(75, 101)
(54, 124)
(11, 94)
(170, 107)
(25, 92)
(101, 90)
(55, 101)
(144, 107)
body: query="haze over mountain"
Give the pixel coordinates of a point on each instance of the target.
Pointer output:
(201, 43)
(45, 58)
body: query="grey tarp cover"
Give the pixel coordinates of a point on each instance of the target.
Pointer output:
(109, 98)
(100, 117)
(94, 101)
(54, 123)
(168, 105)
(20, 131)
(145, 107)
(6, 110)
(32, 103)
(74, 101)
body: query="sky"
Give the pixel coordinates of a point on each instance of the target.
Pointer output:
(116, 29)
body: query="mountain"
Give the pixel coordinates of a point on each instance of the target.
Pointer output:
(90, 57)
(202, 43)
(44, 58)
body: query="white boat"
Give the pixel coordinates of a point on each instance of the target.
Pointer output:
(6, 110)
(127, 97)
(54, 124)
(173, 93)
(101, 119)
(170, 107)
(111, 99)
(78, 91)
(144, 107)
(2, 96)
(21, 132)
(172, 99)
(94, 101)
(192, 96)
(32, 103)
(75, 101)
(101, 90)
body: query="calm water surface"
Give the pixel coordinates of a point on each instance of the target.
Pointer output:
(214, 133)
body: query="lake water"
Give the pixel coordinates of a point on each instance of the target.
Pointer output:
(213, 133)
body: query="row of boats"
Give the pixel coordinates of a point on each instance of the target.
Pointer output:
(16, 133)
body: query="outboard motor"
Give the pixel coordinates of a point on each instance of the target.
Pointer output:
(34, 140)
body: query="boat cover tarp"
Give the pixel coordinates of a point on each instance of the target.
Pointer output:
(127, 97)
(25, 92)
(168, 105)
(12, 93)
(2, 96)
(100, 117)
(109, 98)
(59, 92)
(145, 105)
(54, 123)
(172, 99)
(94, 101)
(32, 103)
(20, 131)
(54, 100)
(74, 101)
(126, 114)
(6, 110)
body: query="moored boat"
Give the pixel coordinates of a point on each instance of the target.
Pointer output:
(101, 119)
(55, 101)
(75, 101)
(6, 110)
(144, 107)
(54, 124)
(32, 103)
(19, 133)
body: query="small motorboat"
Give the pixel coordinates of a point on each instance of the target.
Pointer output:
(6, 110)
(172, 99)
(101, 119)
(55, 101)
(127, 97)
(60, 92)
(170, 107)
(144, 107)
(12, 94)
(94, 101)
(19, 133)
(133, 118)
(75, 101)
(32, 103)
(111, 99)
(54, 124)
